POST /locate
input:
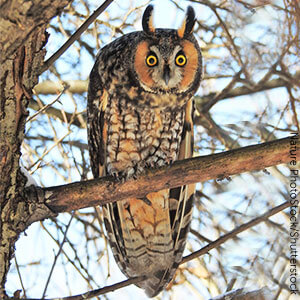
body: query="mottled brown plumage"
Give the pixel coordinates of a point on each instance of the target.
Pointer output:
(140, 116)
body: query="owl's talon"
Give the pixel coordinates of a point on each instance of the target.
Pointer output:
(119, 176)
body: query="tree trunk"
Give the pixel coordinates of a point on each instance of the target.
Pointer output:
(22, 38)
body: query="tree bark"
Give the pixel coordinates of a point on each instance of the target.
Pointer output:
(22, 38)
(20, 19)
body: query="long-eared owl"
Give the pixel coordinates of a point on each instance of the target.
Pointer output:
(140, 116)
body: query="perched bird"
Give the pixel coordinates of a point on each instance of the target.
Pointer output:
(140, 111)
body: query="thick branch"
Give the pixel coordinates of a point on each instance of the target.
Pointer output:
(217, 166)
(48, 87)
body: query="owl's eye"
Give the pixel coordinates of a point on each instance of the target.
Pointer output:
(151, 60)
(180, 60)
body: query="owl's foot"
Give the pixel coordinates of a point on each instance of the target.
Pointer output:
(126, 174)
(119, 176)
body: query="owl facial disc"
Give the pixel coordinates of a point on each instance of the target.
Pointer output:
(167, 60)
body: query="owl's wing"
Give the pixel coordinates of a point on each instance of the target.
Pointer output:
(97, 129)
(184, 195)
(98, 99)
(181, 200)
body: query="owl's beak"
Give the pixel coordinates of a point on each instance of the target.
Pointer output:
(166, 74)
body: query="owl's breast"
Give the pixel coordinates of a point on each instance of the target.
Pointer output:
(140, 137)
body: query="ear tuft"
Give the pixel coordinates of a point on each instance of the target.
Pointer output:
(188, 23)
(147, 21)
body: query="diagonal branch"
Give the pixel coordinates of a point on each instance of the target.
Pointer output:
(221, 240)
(217, 166)
(75, 36)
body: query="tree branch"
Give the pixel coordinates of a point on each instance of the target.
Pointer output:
(76, 35)
(64, 117)
(231, 234)
(217, 166)
(93, 293)
(245, 294)
(48, 87)
(209, 100)
(203, 103)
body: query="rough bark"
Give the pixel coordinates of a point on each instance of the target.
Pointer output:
(17, 77)
(22, 38)
(20, 19)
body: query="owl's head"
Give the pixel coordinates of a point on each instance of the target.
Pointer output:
(168, 60)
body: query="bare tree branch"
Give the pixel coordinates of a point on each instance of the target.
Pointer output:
(198, 169)
(53, 112)
(93, 293)
(213, 98)
(203, 103)
(76, 35)
(49, 87)
(235, 232)
(245, 294)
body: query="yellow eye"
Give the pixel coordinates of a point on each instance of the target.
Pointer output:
(180, 60)
(151, 60)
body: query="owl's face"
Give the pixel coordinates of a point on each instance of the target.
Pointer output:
(167, 60)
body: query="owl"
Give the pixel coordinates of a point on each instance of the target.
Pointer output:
(140, 111)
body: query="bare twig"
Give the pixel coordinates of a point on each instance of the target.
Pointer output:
(46, 106)
(56, 113)
(56, 256)
(20, 277)
(246, 294)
